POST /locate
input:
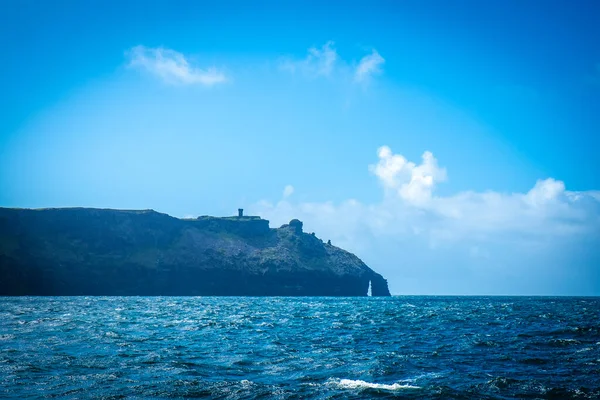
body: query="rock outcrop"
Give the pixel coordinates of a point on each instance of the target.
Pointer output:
(82, 251)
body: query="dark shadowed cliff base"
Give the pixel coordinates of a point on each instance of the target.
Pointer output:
(82, 251)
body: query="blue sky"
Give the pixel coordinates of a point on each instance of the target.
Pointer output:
(196, 108)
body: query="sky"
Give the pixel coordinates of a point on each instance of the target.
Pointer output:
(452, 145)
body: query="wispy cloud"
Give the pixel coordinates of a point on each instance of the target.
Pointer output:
(173, 67)
(319, 61)
(288, 191)
(368, 66)
(325, 61)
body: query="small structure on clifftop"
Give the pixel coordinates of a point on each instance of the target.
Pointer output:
(240, 212)
(297, 225)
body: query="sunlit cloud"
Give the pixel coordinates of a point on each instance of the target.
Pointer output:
(409, 199)
(413, 183)
(484, 226)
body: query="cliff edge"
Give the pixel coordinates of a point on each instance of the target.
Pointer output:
(84, 251)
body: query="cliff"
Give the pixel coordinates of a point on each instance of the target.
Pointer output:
(82, 251)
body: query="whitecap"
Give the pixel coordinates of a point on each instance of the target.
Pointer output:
(428, 375)
(362, 385)
(246, 383)
(584, 350)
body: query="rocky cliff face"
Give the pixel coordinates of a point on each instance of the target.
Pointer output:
(79, 251)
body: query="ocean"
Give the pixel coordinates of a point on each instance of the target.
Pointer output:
(296, 348)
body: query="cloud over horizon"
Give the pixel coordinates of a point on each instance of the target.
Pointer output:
(481, 226)
(172, 67)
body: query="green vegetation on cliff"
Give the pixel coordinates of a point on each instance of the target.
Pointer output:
(82, 251)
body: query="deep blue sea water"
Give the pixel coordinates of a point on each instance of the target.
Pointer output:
(322, 348)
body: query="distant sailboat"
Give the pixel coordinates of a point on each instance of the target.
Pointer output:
(369, 291)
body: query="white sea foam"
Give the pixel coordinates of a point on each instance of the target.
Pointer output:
(246, 383)
(584, 350)
(361, 385)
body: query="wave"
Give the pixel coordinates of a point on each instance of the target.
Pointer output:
(362, 385)
(239, 348)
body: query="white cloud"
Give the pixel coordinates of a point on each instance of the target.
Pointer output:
(173, 67)
(411, 182)
(368, 66)
(545, 191)
(325, 61)
(516, 233)
(288, 191)
(319, 61)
